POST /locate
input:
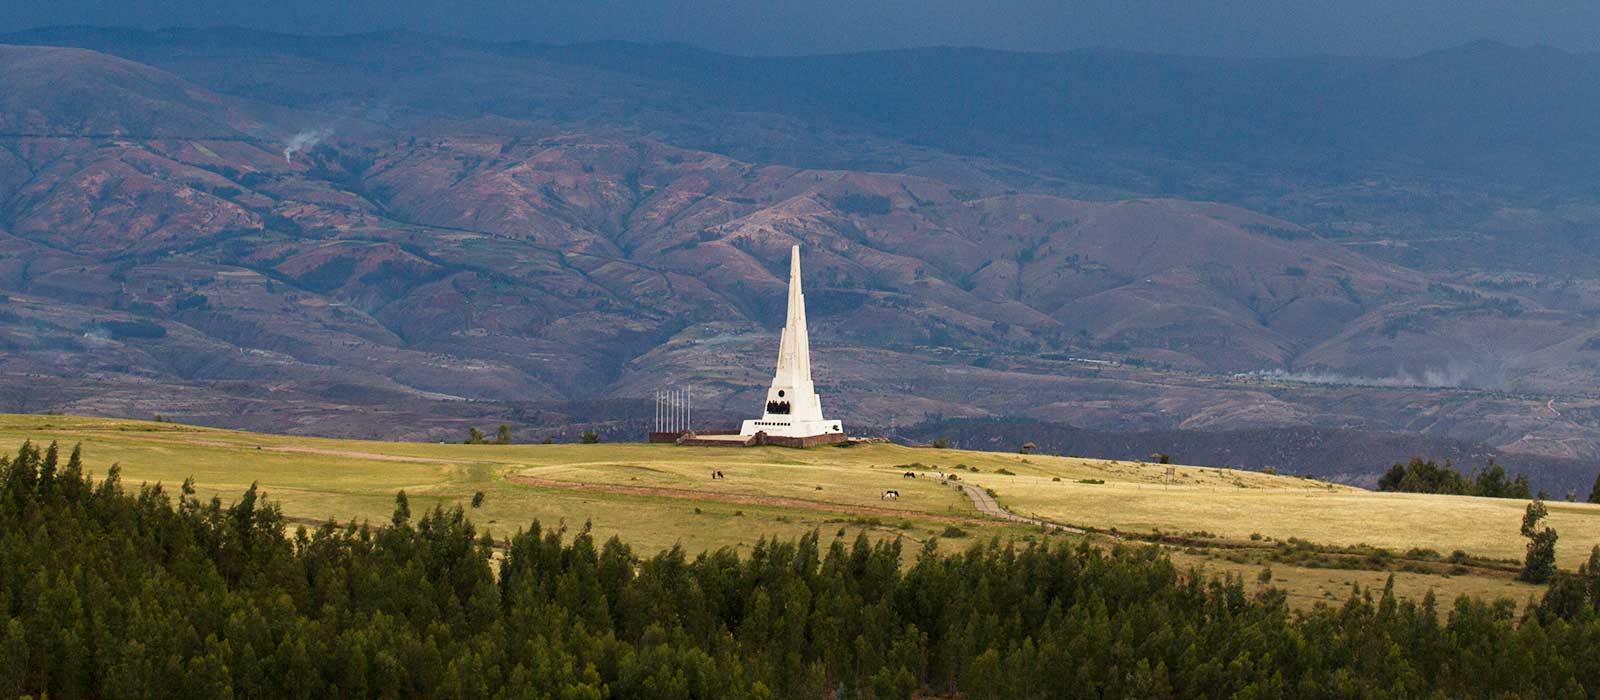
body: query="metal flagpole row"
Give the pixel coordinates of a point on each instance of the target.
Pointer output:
(674, 410)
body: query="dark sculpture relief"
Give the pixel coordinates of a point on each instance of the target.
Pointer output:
(778, 407)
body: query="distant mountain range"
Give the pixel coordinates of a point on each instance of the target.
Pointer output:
(396, 235)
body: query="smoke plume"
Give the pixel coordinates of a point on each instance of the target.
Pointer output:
(1453, 376)
(304, 140)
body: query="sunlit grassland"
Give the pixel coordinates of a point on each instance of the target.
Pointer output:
(1307, 586)
(659, 496)
(1235, 505)
(354, 480)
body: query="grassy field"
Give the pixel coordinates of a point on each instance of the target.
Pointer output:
(1235, 505)
(659, 496)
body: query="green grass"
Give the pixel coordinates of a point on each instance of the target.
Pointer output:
(660, 496)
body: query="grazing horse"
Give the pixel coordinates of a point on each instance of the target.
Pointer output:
(909, 475)
(890, 495)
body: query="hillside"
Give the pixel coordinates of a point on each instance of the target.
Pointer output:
(113, 589)
(400, 235)
(1317, 537)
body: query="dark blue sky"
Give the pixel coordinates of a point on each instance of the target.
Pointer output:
(1202, 27)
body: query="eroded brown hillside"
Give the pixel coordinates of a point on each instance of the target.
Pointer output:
(160, 252)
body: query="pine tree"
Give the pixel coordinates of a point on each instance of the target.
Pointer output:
(474, 437)
(47, 469)
(402, 509)
(503, 435)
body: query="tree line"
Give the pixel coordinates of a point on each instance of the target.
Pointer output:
(1419, 476)
(112, 592)
(502, 436)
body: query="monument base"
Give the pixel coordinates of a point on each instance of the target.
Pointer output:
(775, 426)
(732, 439)
(677, 436)
(805, 441)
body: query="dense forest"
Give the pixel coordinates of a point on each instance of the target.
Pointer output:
(110, 592)
(1420, 476)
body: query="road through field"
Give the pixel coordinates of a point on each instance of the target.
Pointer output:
(988, 506)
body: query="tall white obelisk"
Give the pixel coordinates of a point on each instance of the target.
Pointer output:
(793, 409)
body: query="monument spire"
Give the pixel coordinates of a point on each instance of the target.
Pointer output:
(794, 349)
(793, 408)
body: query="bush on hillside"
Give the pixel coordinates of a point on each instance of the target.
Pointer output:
(862, 204)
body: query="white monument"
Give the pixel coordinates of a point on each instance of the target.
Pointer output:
(793, 409)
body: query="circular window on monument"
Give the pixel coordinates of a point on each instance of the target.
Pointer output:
(780, 393)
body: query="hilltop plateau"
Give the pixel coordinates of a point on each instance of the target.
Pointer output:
(1317, 538)
(398, 235)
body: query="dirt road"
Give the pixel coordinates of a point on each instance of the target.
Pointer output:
(990, 507)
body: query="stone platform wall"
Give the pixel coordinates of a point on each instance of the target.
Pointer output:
(808, 441)
(674, 436)
(699, 439)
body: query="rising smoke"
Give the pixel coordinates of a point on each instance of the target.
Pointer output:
(1454, 376)
(304, 140)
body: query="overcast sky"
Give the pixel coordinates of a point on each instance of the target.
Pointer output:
(1199, 27)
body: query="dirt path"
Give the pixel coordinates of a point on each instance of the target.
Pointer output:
(988, 506)
(744, 499)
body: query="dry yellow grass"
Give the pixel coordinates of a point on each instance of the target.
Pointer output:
(1235, 505)
(1308, 586)
(836, 489)
(353, 480)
